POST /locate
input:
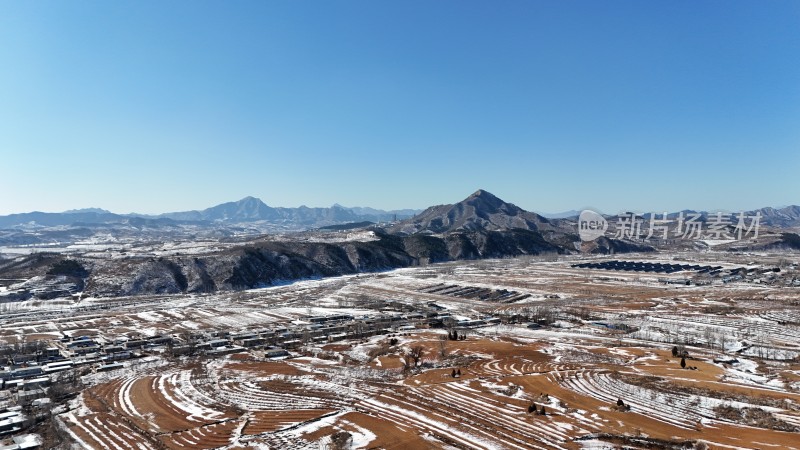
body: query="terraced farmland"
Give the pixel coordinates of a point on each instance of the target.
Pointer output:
(511, 354)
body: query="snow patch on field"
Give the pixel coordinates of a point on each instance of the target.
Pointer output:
(361, 436)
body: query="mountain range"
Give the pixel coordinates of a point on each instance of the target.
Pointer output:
(246, 210)
(480, 210)
(784, 217)
(230, 256)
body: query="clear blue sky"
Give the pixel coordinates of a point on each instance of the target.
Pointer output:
(155, 106)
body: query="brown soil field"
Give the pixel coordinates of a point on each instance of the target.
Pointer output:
(389, 435)
(500, 378)
(268, 421)
(210, 436)
(632, 423)
(265, 368)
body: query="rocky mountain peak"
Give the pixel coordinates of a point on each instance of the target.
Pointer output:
(485, 202)
(480, 211)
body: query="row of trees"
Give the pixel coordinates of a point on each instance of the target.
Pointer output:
(453, 335)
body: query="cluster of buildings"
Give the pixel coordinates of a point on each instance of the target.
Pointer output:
(25, 378)
(13, 420)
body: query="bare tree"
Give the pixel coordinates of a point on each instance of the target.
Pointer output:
(341, 440)
(408, 361)
(443, 346)
(416, 352)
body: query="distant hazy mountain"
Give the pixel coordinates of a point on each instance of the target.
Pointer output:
(246, 210)
(37, 218)
(561, 215)
(785, 217)
(87, 210)
(382, 215)
(251, 209)
(788, 216)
